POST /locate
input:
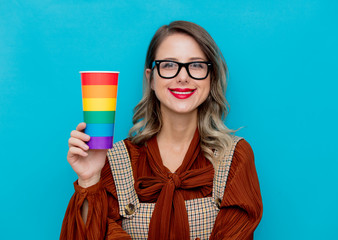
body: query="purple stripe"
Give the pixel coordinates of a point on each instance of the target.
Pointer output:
(100, 143)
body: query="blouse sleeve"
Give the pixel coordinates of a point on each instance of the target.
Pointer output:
(103, 219)
(241, 207)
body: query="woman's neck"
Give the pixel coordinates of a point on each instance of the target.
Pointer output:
(178, 128)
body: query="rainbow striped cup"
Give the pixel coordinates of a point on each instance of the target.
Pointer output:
(99, 92)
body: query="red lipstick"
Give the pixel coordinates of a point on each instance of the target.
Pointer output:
(182, 93)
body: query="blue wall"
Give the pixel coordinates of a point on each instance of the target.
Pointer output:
(282, 57)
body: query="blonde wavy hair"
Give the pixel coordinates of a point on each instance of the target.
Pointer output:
(147, 119)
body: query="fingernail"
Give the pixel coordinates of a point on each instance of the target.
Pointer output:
(85, 146)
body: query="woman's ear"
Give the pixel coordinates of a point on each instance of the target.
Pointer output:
(148, 75)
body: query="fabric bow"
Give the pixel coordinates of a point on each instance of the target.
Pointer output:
(170, 219)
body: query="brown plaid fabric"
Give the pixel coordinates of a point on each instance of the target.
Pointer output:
(136, 216)
(123, 176)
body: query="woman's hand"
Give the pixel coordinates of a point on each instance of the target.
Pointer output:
(86, 163)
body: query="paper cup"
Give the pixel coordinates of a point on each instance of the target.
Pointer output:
(99, 92)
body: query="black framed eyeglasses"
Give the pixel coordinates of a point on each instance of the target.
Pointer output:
(198, 70)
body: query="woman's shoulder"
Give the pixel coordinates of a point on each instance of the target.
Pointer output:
(123, 147)
(125, 144)
(237, 145)
(243, 155)
(242, 145)
(134, 150)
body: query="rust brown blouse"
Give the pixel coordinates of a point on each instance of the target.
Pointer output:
(240, 213)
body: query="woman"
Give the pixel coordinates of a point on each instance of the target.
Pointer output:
(171, 179)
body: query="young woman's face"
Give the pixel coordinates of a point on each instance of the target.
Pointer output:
(181, 94)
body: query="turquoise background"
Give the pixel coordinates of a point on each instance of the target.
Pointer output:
(282, 57)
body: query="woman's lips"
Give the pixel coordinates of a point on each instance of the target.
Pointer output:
(182, 93)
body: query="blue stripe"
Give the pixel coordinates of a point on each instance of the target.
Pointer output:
(100, 129)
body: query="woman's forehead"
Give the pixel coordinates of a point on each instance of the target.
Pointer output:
(179, 46)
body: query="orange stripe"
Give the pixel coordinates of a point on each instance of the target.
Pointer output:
(99, 91)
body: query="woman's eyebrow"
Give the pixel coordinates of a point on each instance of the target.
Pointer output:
(170, 58)
(190, 59)
(197, 58)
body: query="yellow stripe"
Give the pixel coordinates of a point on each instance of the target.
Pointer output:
(99, 104)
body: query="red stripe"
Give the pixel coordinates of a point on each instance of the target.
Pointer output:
(99, 78)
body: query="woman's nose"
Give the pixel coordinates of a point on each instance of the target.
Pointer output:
(183, 76)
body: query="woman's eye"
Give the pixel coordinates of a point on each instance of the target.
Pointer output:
(197, 65)
(168, 65)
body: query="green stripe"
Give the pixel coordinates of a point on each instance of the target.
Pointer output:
(99, 116)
